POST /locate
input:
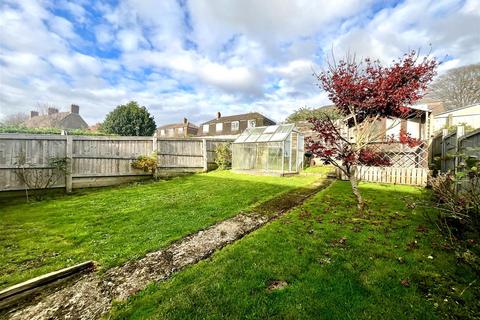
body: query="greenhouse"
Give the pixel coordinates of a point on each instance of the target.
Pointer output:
(275, 150)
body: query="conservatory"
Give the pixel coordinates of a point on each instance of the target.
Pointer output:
(273, 150)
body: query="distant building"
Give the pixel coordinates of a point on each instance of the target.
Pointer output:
(464, 115)
(54, 119)
(178, 130)
(233, 125)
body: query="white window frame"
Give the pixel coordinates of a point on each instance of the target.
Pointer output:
(235, 125)
(171, 132)
(180, 130)
(162, 132)
(219, 127)
(206, 128)
(251, 123)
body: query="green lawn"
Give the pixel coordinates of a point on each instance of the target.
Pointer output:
(320, 169)
(113, 225)
(338, 265)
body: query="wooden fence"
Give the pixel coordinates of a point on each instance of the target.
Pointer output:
(451, 149)
(396, 175)
(99, 161)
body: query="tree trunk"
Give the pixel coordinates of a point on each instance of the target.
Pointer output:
(356, 192)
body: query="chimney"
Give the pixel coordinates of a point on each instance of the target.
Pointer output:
(33, 114)
(219, 115)
(74, 109)
(185, 121)
(52, 111)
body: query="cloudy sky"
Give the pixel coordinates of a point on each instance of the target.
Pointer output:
(195, 57)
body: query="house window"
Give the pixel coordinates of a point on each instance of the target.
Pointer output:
(180, 130)
(414, 128)
(170, 132)
(393, 128)
(251, 123)
(235, 125)
(162, 132)
(219, 127)
(206, 128)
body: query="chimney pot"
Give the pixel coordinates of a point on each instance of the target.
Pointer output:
(52, 111)
(219, 115)
(33, 114)
(75, 109)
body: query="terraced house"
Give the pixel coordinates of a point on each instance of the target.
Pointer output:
(233, 125)
(55, 119)
(178, 130)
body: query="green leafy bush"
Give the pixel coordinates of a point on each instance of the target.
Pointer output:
(223, 156)
(129, 120)
(146, 163)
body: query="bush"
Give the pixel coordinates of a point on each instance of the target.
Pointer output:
(129, 120)
(146, 163)
(223, 156)
(39, 180)
(458, 199)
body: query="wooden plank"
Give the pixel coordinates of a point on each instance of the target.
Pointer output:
(25, 136)
(43, 280)
(205, 155)
(69, 168)
(77, 156)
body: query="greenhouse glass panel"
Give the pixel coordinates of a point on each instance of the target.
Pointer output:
(255, 133)
(276, 150)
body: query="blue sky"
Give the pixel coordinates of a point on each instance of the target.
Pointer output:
(194, 58)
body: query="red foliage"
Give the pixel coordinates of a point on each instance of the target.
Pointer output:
(406, 138)
(370, 157)
(367, 89)
(331, 147)
(372, 89)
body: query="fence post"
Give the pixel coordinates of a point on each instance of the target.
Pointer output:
(460, 133)
(205, 155)
(443, 149)
(69, 168)
(154, 143)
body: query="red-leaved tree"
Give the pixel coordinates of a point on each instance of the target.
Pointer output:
(364, 92)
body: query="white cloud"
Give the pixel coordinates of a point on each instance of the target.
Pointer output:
(194, 58)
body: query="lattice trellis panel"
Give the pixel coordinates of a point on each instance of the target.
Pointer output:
(402, 155)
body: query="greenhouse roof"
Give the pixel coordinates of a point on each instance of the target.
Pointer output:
(276, 133)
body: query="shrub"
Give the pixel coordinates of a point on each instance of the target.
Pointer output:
(146, 163)
(130, 120)
(457, 198)
(223, 156)
(38, 180)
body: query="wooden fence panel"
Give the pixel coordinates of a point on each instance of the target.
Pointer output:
(97, 161)
(182, 154)
(35, 152)
(108, 157)
(392, 175)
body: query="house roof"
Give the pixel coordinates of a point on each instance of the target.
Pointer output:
(177, 125)
(457, 109)
(276, 133)
(238, 117)
(47, 121)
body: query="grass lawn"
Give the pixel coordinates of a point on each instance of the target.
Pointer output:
(320, 169)
(338, 265)
(113, 225)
